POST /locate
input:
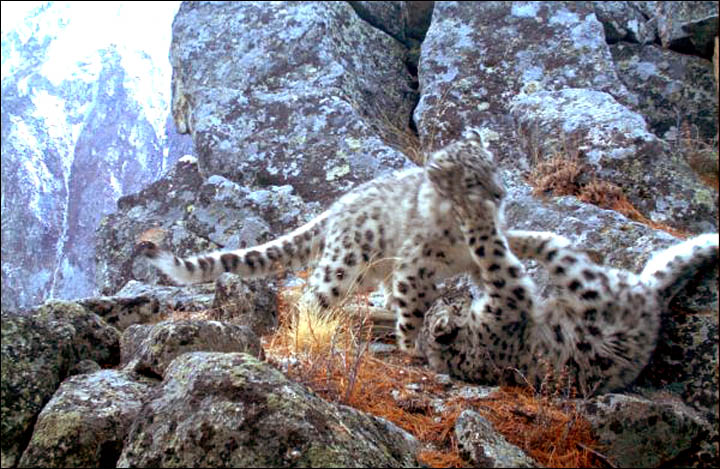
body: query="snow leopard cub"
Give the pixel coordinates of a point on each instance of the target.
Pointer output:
(601, 326)
(398, 230)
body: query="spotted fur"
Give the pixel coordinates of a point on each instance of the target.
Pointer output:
(395, 230)
(601, 325)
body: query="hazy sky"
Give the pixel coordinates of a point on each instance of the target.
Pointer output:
(81, 27)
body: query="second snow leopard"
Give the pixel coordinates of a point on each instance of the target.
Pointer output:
(601, 325)
(397, 230)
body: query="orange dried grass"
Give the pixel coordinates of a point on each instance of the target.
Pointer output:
(347, 373)
(609, 196)
(554, 435)
(561, 175)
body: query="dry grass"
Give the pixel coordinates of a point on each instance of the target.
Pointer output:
(558, 175)
(565, 174)
(553, 434)
(701, 155)
(331, 356)
(403, 139)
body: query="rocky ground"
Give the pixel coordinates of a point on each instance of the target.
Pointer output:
(289, 106)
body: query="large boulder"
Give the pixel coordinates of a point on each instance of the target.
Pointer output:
(541, 79)
(616, 145)
(477, 56)
(639, 432)
(672, 89)
(229, 409)
(626, 21)
(86, 421)
(289, 93)
(688, 27)
(38, 351)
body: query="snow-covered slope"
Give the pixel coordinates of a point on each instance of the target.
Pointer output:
(85, 106)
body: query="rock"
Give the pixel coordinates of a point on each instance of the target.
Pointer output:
(37, 353)
(477, 57)
(389, 17)
(480, 444)
(637, 432)
(610, 237)
(86, 421)
(149, 350)
(216, 409)
(296, 101)
(236, 302)
(686, 359)
(617, 145)
(407, 22)
(84, 367)
(626, 21)
(139, 303)
(195, 216)
(688, 27)
(118, 233)
(671, 88)
(490, 65)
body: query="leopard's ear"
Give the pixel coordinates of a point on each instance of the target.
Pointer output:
(479, 135)
(474, 133)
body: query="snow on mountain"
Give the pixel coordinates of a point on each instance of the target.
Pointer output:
(85, 106)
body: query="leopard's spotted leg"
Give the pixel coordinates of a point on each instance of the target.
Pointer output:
(413, 291)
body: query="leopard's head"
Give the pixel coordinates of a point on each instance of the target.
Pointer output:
(465, 170)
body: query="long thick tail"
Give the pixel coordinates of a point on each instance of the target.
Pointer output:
(669, 270)
(291, 251)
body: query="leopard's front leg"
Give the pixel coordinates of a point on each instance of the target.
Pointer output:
(413, 291)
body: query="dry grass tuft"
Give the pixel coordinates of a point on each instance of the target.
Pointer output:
(558, 175)
(565, 174)
(701, 155)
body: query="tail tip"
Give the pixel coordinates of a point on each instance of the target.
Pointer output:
(148, 249)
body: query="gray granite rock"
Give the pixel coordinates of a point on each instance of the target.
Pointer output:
(190, 215)
(149, 349)
(405, 21)
(690, 27)
(139, 303)
(638, 432)
(86, 421)
(237, 302)
(672, 89)
(229, 409)
(626, 21)
(37, 353)
(289, 93)
(476, 57)
(616, 144)
(480, 444)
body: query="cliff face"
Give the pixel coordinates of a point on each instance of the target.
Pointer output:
(84, 121)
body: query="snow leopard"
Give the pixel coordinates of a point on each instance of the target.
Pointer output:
(599, 327)
(398, 231)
